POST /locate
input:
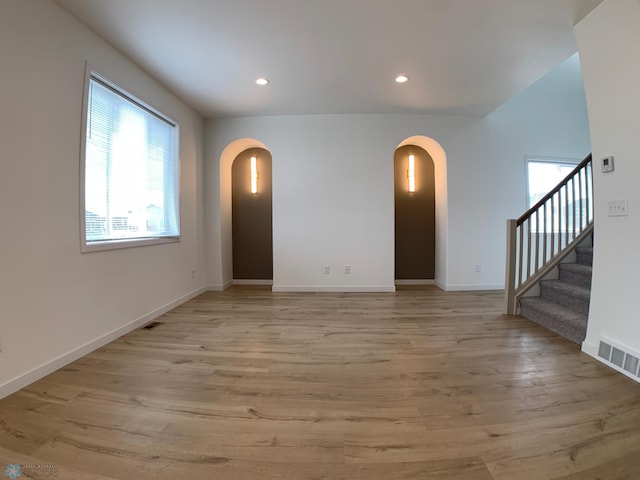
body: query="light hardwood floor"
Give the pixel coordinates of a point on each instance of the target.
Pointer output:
(248, 384)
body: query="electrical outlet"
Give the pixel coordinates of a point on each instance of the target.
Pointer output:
(327, 269)
(347, 269)
(477, 268)
(193, 274)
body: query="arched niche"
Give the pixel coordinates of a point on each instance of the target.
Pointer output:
(439, 157)
(227, 157)
(252, 218)
(414, 212)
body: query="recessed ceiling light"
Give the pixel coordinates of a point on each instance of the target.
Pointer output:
(262, 81)
(402, 78)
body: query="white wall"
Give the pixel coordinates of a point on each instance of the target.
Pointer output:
(333, 185)
(609, 43)
(56, 303)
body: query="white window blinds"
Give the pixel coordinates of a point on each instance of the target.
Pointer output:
(130, 169)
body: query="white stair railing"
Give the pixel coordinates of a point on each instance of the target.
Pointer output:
(544, 234)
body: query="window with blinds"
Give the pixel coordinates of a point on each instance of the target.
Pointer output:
(130, 171)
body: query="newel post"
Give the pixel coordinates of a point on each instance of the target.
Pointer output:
(510, 272)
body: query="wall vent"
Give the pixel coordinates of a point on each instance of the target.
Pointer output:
(617, 357)
(604, 351)
(631, 364)
(620, 357)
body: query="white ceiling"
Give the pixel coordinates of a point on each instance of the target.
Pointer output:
(339, 56)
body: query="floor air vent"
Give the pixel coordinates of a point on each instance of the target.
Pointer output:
(151, 325)
(604, 351)
(620, 358)
(631, 364)
(617, 357)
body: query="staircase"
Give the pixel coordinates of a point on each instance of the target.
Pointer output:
(538, 243)
(563, 304)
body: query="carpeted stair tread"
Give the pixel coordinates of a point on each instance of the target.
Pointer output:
(576, 267)
(566, 294)
(562, 313)
(568, 288)
(584, 255)
(562, 320)
(576, 273)
(563, 304)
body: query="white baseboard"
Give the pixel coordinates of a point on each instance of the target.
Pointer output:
(590, 349)
(474, 287)
(57, 363)
(220, 288)
(252, 282)
(415, 281)
(335, 288)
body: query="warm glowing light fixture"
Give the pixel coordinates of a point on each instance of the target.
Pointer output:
(262, 81)
(402, 78)
(411, 173)
(254, 175)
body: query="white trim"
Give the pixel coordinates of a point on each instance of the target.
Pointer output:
(474, 287)
(252, 282)
(415, 281)
(552, 159)
(591, 350)
(51, 366)
(335, 288)
(126, 243)
(219, 288)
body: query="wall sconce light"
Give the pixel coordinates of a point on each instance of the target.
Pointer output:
(411, 174)
(254, 176)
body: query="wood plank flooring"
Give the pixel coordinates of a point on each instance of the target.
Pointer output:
(248, 384)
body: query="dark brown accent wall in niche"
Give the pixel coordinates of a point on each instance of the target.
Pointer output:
(251, 217)
(415, 214)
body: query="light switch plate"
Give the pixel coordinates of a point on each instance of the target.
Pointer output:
(617, 208)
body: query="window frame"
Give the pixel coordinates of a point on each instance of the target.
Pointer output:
(119, 243)
(543, 159)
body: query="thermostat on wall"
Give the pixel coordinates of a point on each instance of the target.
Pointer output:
(607, 164)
